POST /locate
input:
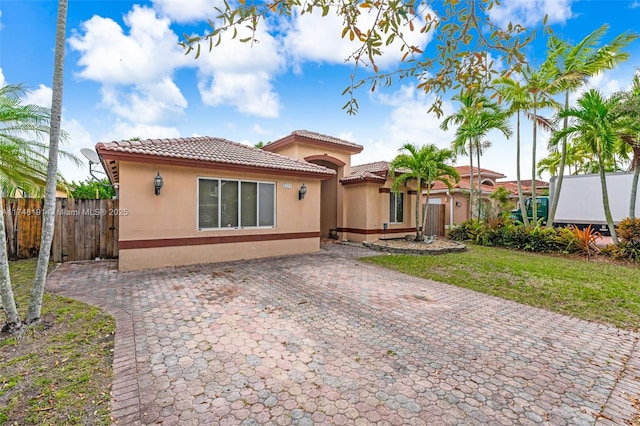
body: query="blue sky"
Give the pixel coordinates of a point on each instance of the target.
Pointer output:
(125, 76)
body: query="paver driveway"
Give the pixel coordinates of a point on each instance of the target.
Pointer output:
(322, 338)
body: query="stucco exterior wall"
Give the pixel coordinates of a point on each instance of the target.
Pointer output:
(367, 210)
(156, 230)
(461, 212)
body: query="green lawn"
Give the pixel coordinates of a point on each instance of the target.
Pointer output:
(60, 371)
(595, 290)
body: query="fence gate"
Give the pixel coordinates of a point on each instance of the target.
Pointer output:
(84, 229)
(435, 221)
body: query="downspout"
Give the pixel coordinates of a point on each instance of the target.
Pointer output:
(450, 209)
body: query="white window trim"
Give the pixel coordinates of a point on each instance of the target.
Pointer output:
(391, 194)
(240, 181)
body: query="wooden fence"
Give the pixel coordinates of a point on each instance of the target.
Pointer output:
(84, 229)
(435, 222)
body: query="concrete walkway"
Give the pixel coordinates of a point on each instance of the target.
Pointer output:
(323, 338)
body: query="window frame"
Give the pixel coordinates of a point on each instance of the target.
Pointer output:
(239, 182)
(393, 198)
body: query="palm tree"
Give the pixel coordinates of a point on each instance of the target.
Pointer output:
(574, 65)
(426, 164)
(476, 118)
(513, 92)
(595, 122)
(21, 166)
(37, 291)
(629, 107)
(541, 85)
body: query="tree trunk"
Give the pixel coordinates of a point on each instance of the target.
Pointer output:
(479, 199)
(425, 216)
(605, 201)
(6, 291)
(525, 216)
(563, 161)
(534, 201)
(48, 219)
(634, 184)
(418, 196)
(471, 188)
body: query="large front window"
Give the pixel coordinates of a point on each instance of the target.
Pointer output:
(396, 209)
(224, 203)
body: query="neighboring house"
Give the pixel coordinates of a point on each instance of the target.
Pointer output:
(219, 201)
(222, 201)
(456, 200)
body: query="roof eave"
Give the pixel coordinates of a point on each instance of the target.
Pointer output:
(106, 154)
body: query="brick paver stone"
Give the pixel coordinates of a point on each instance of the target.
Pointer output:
(323, 338)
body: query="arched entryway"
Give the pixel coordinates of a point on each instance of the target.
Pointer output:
(330, 196)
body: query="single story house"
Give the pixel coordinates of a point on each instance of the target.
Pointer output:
(205, 199)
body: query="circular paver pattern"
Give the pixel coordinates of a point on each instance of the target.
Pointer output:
(323, 338)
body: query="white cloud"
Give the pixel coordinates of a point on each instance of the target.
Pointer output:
(147, 103)
(148, 53)
(41, 96)
(240, 74)
(410, 121)
(318, 38)
(531, 12)
(79, 137)
(187, 11)
(123, 130)
(3, 82)
(259, 130)
(135, 69)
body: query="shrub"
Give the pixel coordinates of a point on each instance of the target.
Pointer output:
(460, 232)
(628, 247)
(629, 230)
(582, 240)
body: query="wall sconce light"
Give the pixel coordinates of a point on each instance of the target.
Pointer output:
(302, 192)
(458, 204)
(157, 183)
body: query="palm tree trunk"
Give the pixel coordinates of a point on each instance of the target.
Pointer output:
(418, 196)
(48, 219)
(525, 216)
(6, 291)
(605, 201)
(471, 187)
(534, 201)
(479, 182)
(563, 160)
(635, 164)
(426, 209)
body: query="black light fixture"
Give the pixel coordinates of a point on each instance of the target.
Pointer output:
(303, 190)
(157, 183)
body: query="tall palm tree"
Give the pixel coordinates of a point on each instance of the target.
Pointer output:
(541, 85)
(22, 166)
(426, 164)
(513, 92)
(574, 65)
(37, 291)
(629, 109)
(476, 118)
(598, 126)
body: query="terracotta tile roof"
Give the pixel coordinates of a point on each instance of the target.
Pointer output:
(465, 184)
(466, 171)
(528, 183)
(306, 136)
(325, 138)
(378, 167)
(211, 150)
